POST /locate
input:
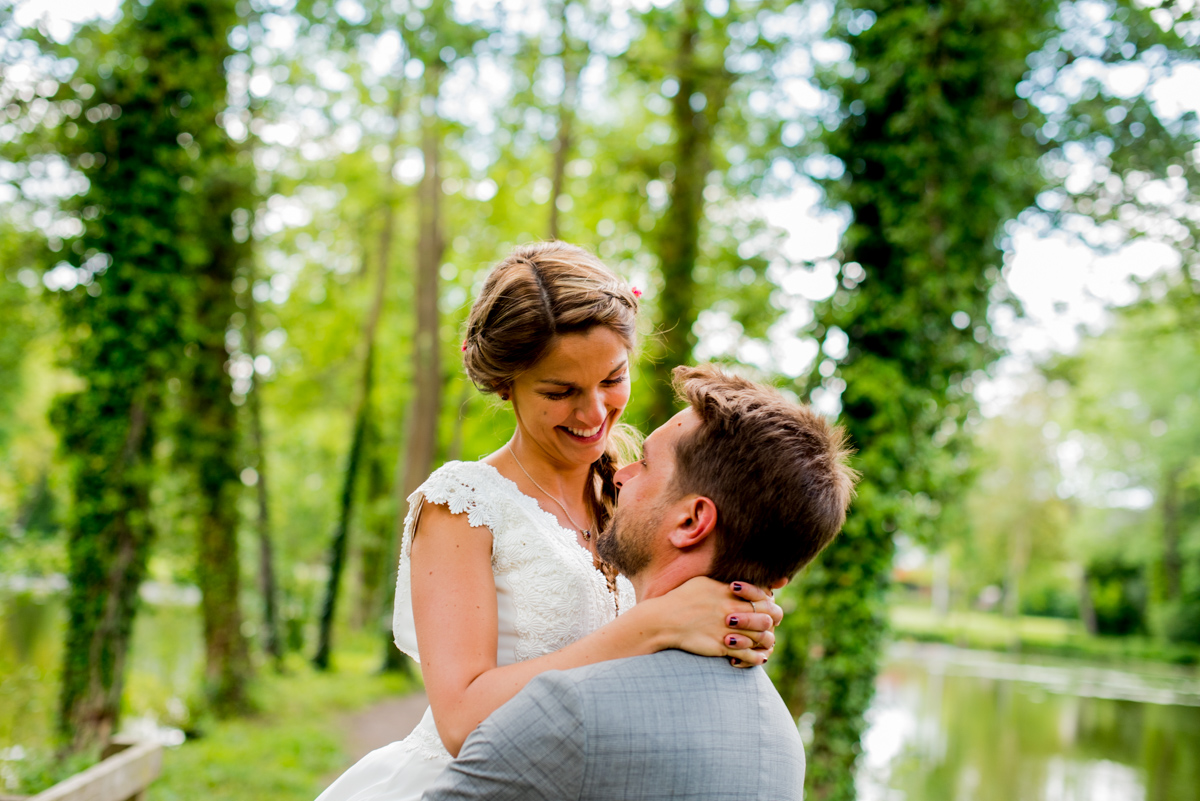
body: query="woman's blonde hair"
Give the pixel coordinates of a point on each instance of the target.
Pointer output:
(538, 293)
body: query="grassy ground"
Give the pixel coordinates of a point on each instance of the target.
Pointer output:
(1035, 635)
(293, 747)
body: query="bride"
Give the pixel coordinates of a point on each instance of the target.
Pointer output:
(498, 578)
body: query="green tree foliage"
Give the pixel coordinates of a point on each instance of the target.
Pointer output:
(942, 126)
(123, 335)
(934, 163)
(150, 105)
(698, 69)
(1134, 419)
(1018, 523)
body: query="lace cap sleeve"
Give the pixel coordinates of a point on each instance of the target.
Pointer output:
(460, 487)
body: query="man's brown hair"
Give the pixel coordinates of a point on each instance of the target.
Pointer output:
(775, 469)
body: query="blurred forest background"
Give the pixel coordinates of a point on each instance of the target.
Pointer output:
(239, 240)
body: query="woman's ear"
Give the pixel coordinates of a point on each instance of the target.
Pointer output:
(695, 519)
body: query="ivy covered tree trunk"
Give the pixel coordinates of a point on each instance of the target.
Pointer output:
(123, 322)
(935, 163)
(209, 443)
(694, 109)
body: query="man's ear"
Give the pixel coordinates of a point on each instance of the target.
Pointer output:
(779, 585)
(695, 520)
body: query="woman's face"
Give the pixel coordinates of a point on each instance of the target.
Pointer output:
(568, 402)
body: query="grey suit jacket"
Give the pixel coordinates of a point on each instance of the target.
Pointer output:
(668, 725)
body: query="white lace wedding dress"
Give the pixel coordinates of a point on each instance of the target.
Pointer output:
(548, 595)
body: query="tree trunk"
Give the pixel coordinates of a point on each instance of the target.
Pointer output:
(941, 584)
(339, 543)
(1172, 526)
(422, 429)
(679, 232)
(1087, 610)
(373, 547)
(925, 255)
(427, 373)
(1018, 559)
(149, 227)
(566, 113)
(108, 547)
(210, 445)
(268, 588)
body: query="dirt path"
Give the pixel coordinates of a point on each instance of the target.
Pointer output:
(383, 723)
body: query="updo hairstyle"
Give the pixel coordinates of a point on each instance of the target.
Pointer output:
(538, 293)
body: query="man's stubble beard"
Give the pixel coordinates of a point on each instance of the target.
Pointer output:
(625, 541)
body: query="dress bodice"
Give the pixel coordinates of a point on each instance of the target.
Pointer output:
(548, 595)
(548, 592)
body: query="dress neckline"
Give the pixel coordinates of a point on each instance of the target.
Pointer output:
(570, 535)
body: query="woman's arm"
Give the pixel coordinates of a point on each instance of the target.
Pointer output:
(454, 609)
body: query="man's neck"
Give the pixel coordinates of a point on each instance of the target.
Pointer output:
(653, 582)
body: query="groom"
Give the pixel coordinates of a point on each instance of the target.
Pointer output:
(744, 484)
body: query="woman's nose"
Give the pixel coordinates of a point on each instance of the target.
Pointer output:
(591, 409)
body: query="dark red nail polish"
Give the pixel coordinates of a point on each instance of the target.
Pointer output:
(737, 587)
(733, 621)
(732, 641)
(735, 662)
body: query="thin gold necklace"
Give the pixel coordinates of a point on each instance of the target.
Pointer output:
(587, 534)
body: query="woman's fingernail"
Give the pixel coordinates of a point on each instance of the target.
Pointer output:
(733, 621)
(732, 641)
(737, 587)
(735, 662)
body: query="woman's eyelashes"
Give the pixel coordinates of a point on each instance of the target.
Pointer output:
(566, 393)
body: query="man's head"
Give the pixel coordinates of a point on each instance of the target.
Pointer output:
(742, 485)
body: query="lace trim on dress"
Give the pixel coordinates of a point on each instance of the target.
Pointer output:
(427, 744)
(557, 595)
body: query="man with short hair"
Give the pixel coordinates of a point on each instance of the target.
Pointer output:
(743, 484)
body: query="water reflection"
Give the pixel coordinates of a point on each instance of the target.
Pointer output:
(164, 668)
(953, 724)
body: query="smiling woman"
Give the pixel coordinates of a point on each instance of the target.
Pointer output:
(499, 580)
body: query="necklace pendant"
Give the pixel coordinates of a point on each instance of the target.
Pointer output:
(587, 536)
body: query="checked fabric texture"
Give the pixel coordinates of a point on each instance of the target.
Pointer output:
(670, 725)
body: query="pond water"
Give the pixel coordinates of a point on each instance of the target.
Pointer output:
(952, 724)
(164, 667)
(946, 725)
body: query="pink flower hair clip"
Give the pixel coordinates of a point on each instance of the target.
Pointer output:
(464, 346)
(637, 293)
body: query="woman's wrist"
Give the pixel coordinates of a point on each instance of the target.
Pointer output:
(651, 626)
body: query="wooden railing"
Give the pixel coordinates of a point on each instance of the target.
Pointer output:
(123, 775)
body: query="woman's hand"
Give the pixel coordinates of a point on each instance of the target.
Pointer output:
(708, 618)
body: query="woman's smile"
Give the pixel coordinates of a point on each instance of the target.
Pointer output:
(585, 435)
